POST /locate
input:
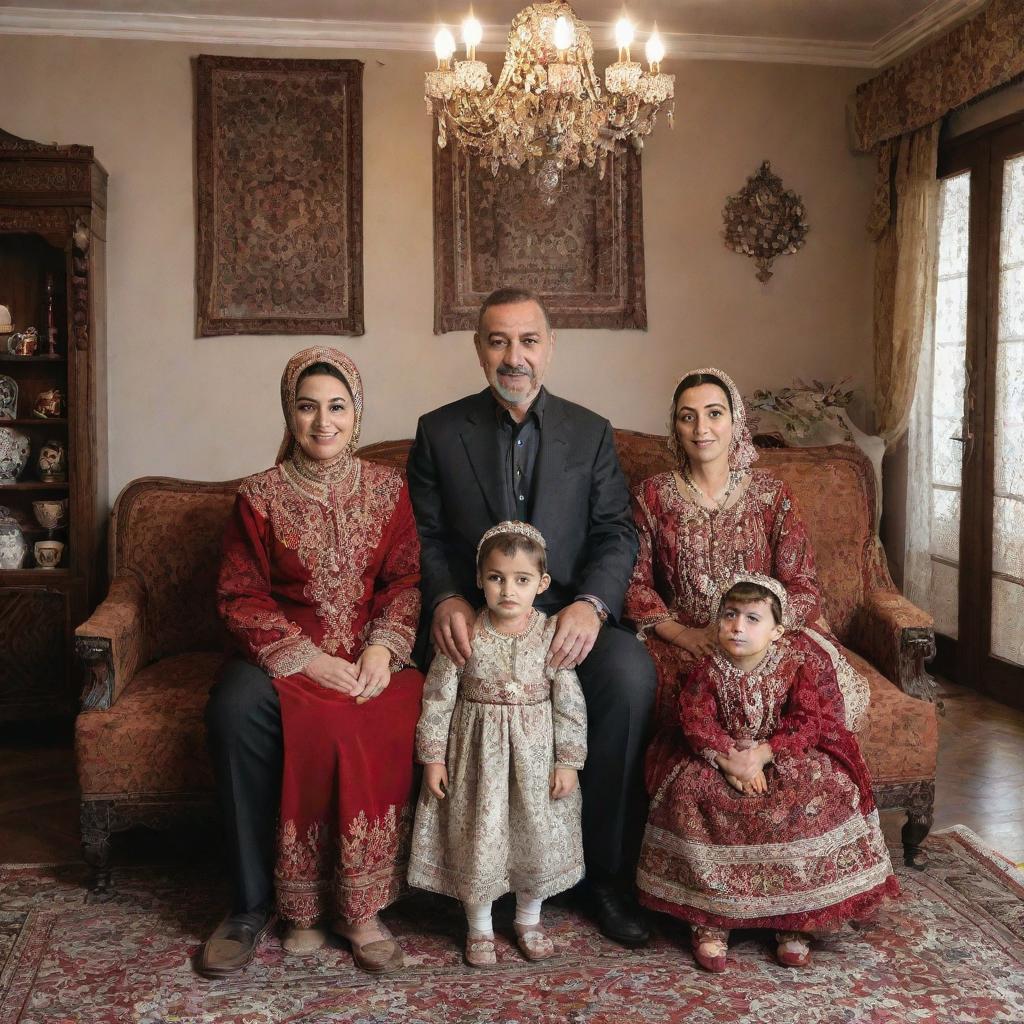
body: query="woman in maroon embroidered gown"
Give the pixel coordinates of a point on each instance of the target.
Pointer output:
(700, 524)
(734, 843)
(319, 588)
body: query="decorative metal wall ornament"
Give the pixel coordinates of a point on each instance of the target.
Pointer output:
(763, 220)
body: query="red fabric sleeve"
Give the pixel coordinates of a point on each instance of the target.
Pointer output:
(800, 723)
(698, 714)
(244, 600)
(644, 606)
(395, 607)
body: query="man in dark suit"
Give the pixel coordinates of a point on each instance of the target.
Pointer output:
(515, 451)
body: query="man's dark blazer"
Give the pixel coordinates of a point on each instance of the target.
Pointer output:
(579, 501)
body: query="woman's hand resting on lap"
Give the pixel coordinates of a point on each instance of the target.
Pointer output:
(695, 642)
(334, 674)
(364, 679)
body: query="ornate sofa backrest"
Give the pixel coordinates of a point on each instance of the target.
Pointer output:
(167, 533)
(835, 489)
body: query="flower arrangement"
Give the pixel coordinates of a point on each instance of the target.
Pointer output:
(801, 410)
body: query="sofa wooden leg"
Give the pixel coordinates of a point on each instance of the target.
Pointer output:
(96, 843)
(920, 814)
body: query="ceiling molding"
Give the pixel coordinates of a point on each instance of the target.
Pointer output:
(417, 36)
(937, 17)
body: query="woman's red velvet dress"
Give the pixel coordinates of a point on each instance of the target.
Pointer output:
(329, 562)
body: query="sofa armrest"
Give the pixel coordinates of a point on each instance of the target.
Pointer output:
(898, 638)
(109, 644)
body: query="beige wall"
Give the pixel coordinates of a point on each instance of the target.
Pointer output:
(208, 408)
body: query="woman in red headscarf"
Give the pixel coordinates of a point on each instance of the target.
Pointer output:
(319, 588)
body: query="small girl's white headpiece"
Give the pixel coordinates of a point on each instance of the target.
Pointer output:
(513, 526)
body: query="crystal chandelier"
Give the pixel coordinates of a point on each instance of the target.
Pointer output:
(548, 110)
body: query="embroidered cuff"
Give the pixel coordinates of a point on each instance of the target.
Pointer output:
(570, 755)
(398, 645)
(286, 657)
(711, 755)
(646, 624)
(429, 752)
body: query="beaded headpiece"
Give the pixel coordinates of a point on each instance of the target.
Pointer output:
(768, 582)
(742, 452)
(513, 526)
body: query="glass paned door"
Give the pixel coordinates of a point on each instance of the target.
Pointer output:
(979, 373)
(948, 382)
(1007, 577)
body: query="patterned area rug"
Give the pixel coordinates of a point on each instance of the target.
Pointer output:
(950, 950)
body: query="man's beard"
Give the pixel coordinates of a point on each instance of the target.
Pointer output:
(513, 397)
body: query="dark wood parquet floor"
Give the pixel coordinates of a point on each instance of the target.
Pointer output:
(980, 784)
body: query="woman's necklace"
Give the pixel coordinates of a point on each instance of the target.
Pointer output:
(720, 503)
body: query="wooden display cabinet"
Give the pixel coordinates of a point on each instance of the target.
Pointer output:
(53, 223)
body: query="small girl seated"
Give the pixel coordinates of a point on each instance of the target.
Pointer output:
(767, 819)
(501, 741)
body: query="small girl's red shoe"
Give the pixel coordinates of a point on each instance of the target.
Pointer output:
(793, 949)
(710, 946)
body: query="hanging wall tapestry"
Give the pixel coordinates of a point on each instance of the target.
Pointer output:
(279, 167)
(581, 246)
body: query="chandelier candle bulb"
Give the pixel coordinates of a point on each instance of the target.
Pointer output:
(472, 33)
(655, 51)
(623, 37)
(444, 47)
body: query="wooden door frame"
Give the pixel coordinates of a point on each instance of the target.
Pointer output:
(982, 152)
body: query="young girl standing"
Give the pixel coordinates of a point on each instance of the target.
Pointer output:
(767, 818)
(501, 741)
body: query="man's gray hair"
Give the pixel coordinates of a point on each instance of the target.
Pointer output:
(510, 297)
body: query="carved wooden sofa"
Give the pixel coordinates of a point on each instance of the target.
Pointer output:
(151, 649)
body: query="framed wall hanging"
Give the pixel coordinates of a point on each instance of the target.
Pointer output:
(279, 245)
(579, 244)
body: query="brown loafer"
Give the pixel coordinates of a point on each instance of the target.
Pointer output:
(380, 956)
(232, 946)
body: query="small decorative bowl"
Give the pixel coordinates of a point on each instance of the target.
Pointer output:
(52, 513)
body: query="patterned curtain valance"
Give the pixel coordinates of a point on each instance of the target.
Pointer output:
(971, 60)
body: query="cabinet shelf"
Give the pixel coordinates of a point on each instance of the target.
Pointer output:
(7, 357)
(32, 485)
(36, 421)
(13, 577)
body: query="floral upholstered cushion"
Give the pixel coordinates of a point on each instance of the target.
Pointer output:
(900, 739)
(152, 740)
(169, 537)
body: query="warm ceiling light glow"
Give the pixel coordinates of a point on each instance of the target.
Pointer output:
(655, 49)
(565, 33)
(623, 33)
(444, 44)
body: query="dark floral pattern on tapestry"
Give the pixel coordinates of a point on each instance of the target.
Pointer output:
(279, 155)
(582, 248)
(965, 63)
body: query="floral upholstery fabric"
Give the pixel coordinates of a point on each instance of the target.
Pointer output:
(170, 539)
(152, 741)
(900, 739)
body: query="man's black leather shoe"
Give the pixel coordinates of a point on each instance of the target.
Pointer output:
(617, 914)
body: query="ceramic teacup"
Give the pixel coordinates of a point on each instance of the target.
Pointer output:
(52, 513)
(48, 553)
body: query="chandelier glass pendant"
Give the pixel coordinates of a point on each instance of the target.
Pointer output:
(548, 109)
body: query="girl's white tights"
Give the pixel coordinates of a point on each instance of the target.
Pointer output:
(478, 915)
